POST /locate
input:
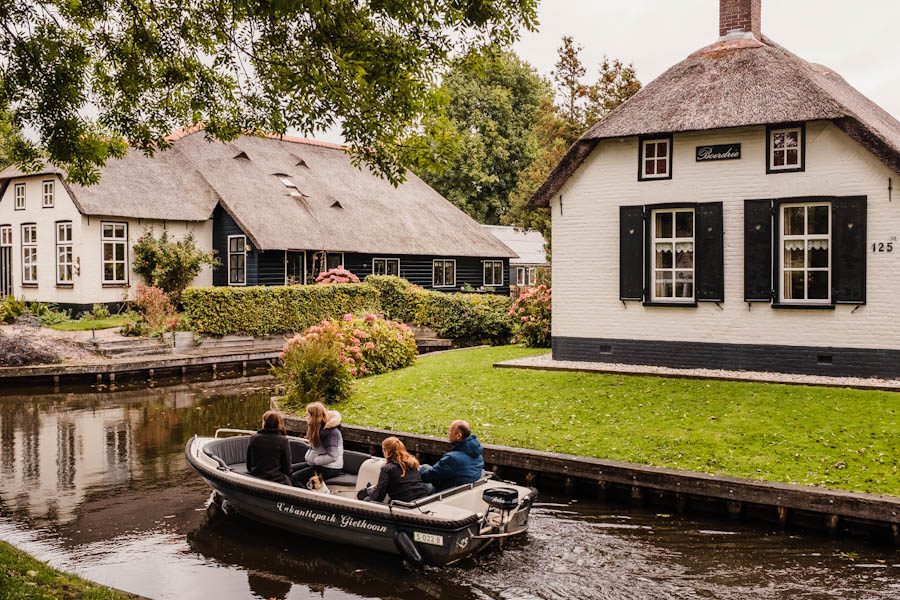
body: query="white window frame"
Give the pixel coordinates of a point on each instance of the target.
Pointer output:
(773, 150)
(484, 268)
(805, 238)
(645, 159)
(114, 240)
(674, 269)
(29, 254)
(65, 260)
(5, 236)
(48, 193)
(444, 262)
(19, 192)
(521, 278)
(237, 254)
(386, 261)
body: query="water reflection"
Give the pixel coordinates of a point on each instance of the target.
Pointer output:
(97, 483)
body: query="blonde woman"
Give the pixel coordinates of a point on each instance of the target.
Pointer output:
(399, 477)
(325, 456)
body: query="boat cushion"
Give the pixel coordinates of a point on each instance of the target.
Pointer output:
(342, 479)
(232, 451)
(353, 461)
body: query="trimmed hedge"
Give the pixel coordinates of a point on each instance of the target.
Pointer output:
(471, 318)
(273, 309)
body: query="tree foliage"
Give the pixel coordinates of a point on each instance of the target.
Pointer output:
(579, 105)
(85, 75)
(492, 100)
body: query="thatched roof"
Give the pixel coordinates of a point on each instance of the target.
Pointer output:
(736, 83)
(333, 206)
(529, 245)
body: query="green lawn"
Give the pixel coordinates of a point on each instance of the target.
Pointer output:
(87, 325)
(838, 438)
(22, 577)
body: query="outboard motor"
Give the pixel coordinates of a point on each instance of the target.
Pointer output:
(505, 499)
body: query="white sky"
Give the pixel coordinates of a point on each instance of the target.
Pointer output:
(857, 39)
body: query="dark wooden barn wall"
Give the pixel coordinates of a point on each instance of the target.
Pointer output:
(223, 226)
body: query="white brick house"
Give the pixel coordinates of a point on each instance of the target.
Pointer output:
(738, 212)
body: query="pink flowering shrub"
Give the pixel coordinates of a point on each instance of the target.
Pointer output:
(531, 315)
(321, 363)
(336, 275)
(156, 310)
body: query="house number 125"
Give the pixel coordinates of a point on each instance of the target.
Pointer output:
(882, 246)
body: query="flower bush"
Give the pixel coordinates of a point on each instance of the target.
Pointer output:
(336, 275)
(320, 363)
(531, 315)
(157, 312)
(170, 265)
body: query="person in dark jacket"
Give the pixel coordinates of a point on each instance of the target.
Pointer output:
(269, 452)
(463, 464)
(399, 477)
(325, 456)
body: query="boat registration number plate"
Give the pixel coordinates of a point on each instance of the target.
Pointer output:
(428, 538)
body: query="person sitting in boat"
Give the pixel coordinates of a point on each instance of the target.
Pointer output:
(399, 477)
(325, 456)
(463, 464)
(269, 452)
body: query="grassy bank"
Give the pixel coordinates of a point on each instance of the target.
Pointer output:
(23, 577)
(838, 438)
(88, 324)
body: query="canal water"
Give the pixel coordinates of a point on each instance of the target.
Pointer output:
(96, 483)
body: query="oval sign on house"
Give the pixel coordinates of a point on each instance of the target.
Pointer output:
(718, 152)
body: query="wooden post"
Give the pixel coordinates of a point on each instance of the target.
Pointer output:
(215, 370)
(602, 489)
(183, 374)
(782, 516)
(570, 485)
(637, 494)
(99, 378)
(530, 478)
(243, 368)
(681, 501)
(734, 509)
(831, 524)
(151, 372)
(112, 381)
(895, 533)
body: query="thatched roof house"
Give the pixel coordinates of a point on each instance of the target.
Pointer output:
(743, 79)
(276, 209)
(736, 213)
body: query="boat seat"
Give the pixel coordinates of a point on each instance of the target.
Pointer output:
(231, 451)
(342, 479)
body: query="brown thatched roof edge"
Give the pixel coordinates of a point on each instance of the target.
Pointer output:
(738, 83)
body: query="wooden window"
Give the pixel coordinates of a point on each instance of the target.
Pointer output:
(493, 272)
(334, 260)
(49, 189)
(20, 196)
(521, 277)
(672, 247)
(237, 260)
(386, 266)
(786, 148)
(6, 251)
(443, 273)
(64, 262)
(114, 242)
(29, 254)
(655, 158)
(805, 253)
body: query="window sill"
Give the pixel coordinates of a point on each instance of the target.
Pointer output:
(773, 171)
(115, 285)
(672, 304)
(65, 285)
(804, 306)
(29, 285)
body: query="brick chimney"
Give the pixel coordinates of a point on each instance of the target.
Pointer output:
(741, 15)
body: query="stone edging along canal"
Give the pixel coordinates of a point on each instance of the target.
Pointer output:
(807, 507)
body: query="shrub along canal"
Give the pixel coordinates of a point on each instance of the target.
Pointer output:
(96, 483)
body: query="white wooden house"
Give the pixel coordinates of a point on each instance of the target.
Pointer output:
(738, 212)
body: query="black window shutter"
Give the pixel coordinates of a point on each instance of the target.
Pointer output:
(848, 275)
(757, 250)
(631, 252)
(710, 252)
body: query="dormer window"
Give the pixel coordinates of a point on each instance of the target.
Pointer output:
(655, 158)
(786, 146)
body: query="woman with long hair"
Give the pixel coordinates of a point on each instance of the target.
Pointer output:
(399, 477)
(269, 452)
(325, 456)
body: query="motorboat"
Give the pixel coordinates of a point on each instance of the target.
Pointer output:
(439, 529)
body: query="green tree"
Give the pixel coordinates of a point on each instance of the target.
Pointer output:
(86, 75)
(492, 99)
(558, 126)
(170, 265)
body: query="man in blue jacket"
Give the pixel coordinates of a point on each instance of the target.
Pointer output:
(463, 464)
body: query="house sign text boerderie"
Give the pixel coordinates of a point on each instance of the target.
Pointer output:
(718, 152)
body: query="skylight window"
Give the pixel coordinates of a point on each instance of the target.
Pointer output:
(288, 182)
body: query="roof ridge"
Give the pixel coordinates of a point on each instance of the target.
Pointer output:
(183, 132)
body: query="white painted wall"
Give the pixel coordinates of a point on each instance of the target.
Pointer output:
(87, 246)
(586, 242)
